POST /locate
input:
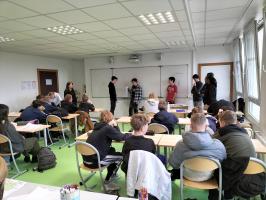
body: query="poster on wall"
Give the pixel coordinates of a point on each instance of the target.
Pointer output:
(28, 85)
(48, 82)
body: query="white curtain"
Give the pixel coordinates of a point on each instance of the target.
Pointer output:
(252, 67)
(237, 68)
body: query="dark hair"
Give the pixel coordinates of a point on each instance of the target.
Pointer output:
(4, 110)
(36, 103)
(114, 78)
(212, 81)
(172, 78)
(210, 74)
(39, 97)
(162, 105)
(67, 84)
(134, 80)
(195, 76)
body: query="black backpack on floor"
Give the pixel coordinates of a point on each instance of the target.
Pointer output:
(46, 159)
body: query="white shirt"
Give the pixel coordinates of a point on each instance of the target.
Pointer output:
(57, 99)
(151, 105)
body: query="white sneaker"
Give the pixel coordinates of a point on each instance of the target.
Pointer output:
(111, 186)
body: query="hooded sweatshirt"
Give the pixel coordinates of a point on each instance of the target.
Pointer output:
(196, 144)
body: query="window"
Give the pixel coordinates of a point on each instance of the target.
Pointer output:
(254, 110)
(237, 68)
(260, 46)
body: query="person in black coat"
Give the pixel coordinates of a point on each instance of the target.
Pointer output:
(209, 90)
(68, 105)
(101, 138)
(214, 108)
(112, 93)
(196, 91)
(33, 112)
(70, 90)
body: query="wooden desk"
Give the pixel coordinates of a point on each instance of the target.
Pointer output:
(75, 117)
(23, 191)
(124, 120)
(259, 147)
(156, 138)
(13, 115)
(184, 121)
(169, 140)
(33, 128)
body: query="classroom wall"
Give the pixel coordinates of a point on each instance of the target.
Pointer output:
(191, 58)
(18, 68)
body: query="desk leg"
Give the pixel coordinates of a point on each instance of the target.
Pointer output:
(45, 137)
(123, 126)
(76, 131)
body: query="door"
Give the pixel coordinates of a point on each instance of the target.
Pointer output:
(223, 72)
(47, 81)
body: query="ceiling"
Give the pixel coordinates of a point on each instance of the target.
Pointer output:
(113, 26)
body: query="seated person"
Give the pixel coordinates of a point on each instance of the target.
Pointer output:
(19, 143)
(239, 149)
(3, 175)
(49, 108)
(165, 118)
(101, 138)
(196, 143)
(68, 105)
(55, 98)
(33, 112)
(151, 104)
(86, 105)
(137, 141)
(214, 107)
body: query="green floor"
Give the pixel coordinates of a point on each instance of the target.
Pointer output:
(66, 172)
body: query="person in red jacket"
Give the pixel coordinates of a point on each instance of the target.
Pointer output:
(171, 91)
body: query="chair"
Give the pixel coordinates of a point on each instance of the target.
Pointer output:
(57, 126)
(4, 139)
(256, 166)
(84, 122)
(86, 149)
(158, 128)
(201, 164)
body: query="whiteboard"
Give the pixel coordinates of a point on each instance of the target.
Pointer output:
(180, 72)
(100, 79)
(148, 77)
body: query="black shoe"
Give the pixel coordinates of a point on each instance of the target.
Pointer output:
(27, 159)
(34, 159)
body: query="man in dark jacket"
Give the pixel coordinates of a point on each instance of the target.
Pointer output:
(101, 138)
(165, 118)
(196, 91)
(239, 149)
(112, 93)
(35, 111)
(216, 106)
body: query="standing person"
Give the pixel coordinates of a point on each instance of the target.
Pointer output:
(196, 91)
(70, 90)
(171, 90)
(112, 93)
(136, 96)
(210, 90)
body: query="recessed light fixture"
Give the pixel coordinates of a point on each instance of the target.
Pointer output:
(6, 39)
(176, 43)
(65, 30)
(157, 18)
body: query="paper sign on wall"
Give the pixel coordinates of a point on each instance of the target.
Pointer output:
(48, 82)
(28, 85)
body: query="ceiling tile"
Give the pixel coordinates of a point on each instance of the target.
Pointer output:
(18, 36)
(217, 30)
(72, 17)
(184, 25)
(170, 34)
(83, 36)
(146, 42)
(12, 11)
(217, 5)
(164, 27)
(89, 3)
(109, 11)
(15, 26)
(60, 39)
(198, 5)
(181, 15)
(93, 26)
(119, 39)
(135, 31)
(225, 13)
(123, 23)
(139, 7)
(199, 25)
(143, 37)
(177, 4)
(229, 23)
(198, 16)
(40, 21)
(47, 6)
(107, 34)
(40, 33)
(3, 18)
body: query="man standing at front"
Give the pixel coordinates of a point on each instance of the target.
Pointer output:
(112, 93)
(171, 91)
(135, 96)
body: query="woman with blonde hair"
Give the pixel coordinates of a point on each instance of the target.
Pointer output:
(101, 138)
(151, 104)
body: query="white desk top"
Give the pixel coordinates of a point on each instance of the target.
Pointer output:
(20, 190)
(126, 198)
(31, 128)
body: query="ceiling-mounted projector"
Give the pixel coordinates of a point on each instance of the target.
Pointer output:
(134, 58)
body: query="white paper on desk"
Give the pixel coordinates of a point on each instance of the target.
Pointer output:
(39, 194)
(12, 186)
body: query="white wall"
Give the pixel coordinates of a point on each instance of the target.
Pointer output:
(201, 55)
(15, 68)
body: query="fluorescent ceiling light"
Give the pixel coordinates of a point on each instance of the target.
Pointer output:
(157, 18)
(6, 39)
(65, 30)
(176, 43)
